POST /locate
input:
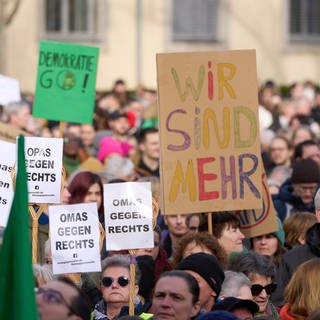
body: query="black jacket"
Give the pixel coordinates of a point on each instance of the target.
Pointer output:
(292, 259)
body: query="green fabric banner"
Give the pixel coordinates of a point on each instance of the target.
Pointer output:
(17, 296)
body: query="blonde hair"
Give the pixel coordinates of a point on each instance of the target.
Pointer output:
(296, 226)
(303, 291)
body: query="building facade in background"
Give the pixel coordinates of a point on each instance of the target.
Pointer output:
(129, 33)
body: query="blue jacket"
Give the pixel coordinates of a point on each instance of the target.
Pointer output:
(286, 203)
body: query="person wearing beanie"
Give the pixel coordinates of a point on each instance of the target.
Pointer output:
(297, 193)
(110, 146)
(270, 244)
(207, 271)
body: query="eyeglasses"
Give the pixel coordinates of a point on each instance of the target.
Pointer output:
(256, 289)
(54, 296)
(108, 281)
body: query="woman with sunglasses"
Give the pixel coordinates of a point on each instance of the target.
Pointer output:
(115, 288)
(261, 271)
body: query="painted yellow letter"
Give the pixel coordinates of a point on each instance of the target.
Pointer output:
(188, 181)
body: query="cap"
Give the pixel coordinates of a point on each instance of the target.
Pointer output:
(232, 303)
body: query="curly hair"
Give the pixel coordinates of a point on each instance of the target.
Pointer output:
(204, 240)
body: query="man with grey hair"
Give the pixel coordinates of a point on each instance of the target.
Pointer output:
(18, 114)
(236, 284)
(119, 167)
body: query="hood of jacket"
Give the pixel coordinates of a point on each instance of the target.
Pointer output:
(313, 239)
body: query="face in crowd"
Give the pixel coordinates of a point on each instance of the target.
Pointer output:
(231, 239)
(115, 285)
(266, 244)
(173, 299)
(176, 224)
(261, 289)
(55, 302)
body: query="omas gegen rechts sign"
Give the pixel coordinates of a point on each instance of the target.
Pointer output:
(44, 169)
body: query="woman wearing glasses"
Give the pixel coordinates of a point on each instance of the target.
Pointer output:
(115, 288)
(261, 271)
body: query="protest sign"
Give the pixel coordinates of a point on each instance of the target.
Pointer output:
(7, 161)
(9, 90)
(74, 233)
(10, 133)
(128, 215)
(66, 77)
(44, 169)
(256, 222)
(209, 131)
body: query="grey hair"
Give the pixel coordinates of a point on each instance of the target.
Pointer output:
(317, 199)
(233, 282)
(14, 107)
(253, 263)
(42, 271)
(118, 167)
(120, 260)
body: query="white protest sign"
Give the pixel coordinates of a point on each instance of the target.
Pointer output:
(7, 161)
(74, 233)
(128, 215)
(9, 90)
(44, 168)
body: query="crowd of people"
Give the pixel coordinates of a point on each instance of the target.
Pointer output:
(189, 273)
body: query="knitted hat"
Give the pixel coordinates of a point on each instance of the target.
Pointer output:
(207, 266)
(305, 171)
(280, 233)
(232, 303)
(109, 145)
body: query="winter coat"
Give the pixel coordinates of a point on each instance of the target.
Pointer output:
(292, 259)
(286, 203)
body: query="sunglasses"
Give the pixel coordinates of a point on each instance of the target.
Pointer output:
(108, 281)
(54, 296)
(256, 289)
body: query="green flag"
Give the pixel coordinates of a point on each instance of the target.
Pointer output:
(17, 297)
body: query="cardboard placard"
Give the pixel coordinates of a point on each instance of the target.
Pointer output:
(9, 90)
(258, 222)
(44, 169)
(128, 215)
(74, 233)
(7, 161)
(209, 131)
(66, 80)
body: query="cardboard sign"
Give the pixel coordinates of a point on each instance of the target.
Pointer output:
(10, 133)
(209, 131)
(9, 90)
(7, 161)
(74, 233)
(260, 221)
(44, 169)
(128, 215)
(66, 79)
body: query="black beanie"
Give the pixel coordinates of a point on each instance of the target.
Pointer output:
(207, 266)
(305, 171)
